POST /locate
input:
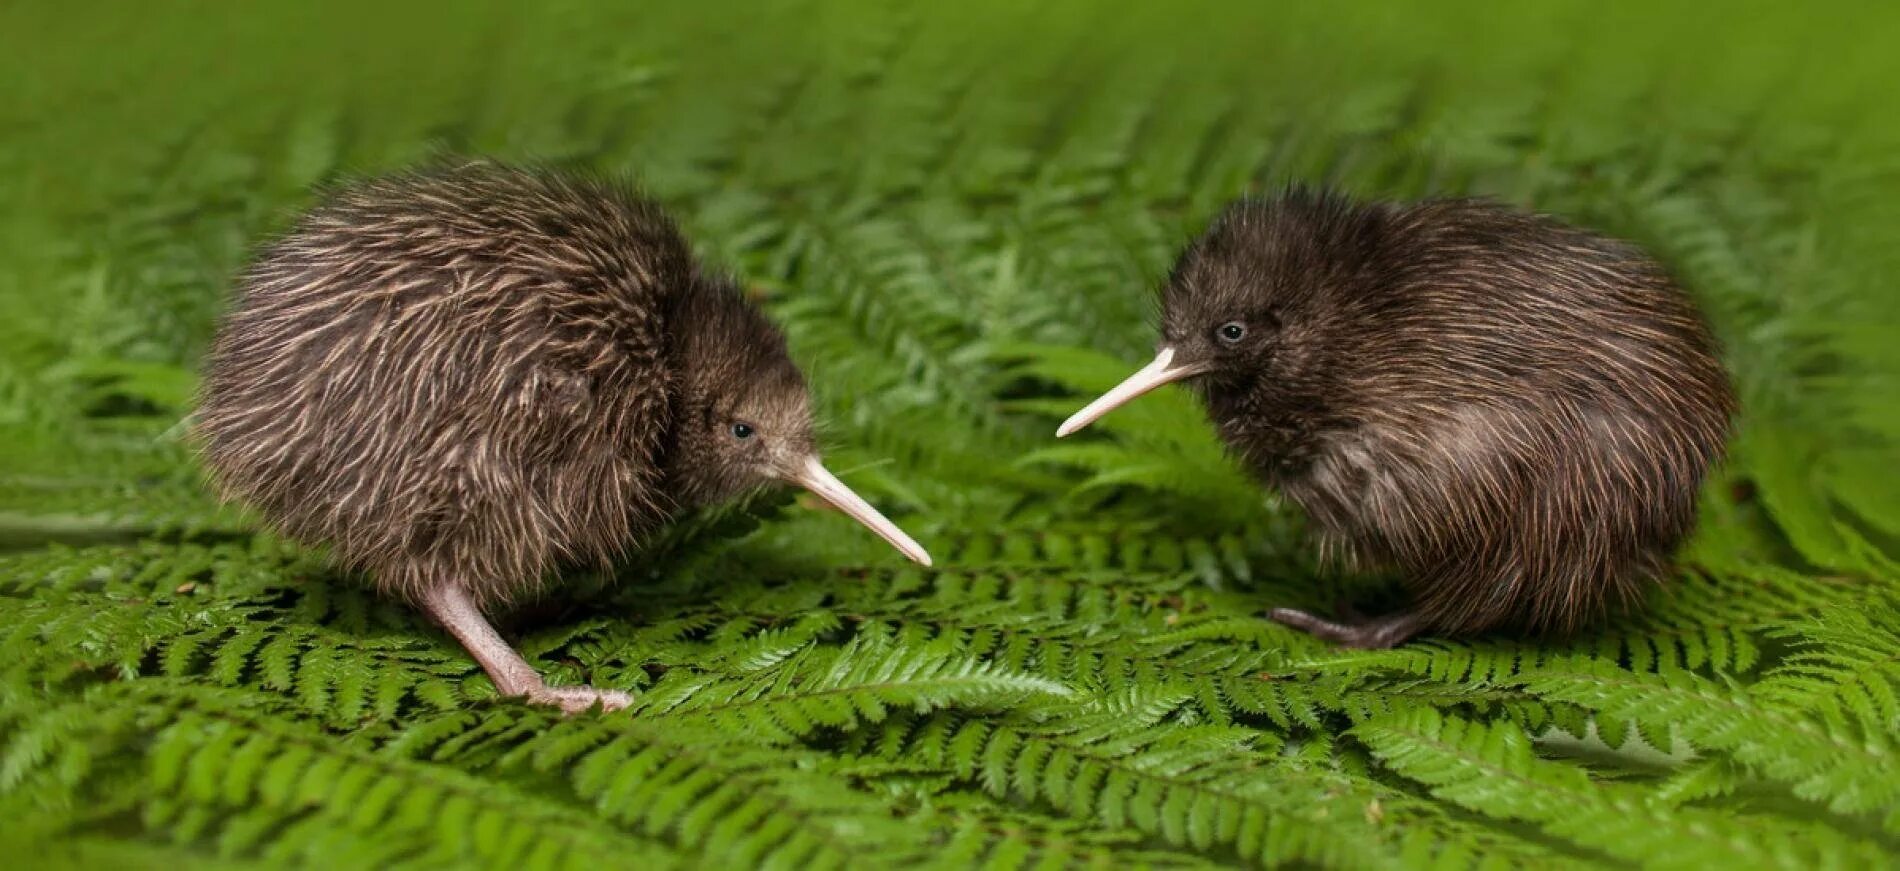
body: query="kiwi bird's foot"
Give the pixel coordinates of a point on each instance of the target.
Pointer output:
(1375, 633)
(577, 699)
(451, 606)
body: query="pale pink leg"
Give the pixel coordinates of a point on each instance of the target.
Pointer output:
(450, 605)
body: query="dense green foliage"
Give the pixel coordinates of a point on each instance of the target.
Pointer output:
(959, 217)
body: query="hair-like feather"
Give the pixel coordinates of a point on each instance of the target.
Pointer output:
(476, 373)
(1516, 413)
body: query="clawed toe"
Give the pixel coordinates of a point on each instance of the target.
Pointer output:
(1366, 634)
(577, 699)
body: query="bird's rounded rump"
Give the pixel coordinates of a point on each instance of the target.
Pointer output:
(1515, 412)
(465, 377)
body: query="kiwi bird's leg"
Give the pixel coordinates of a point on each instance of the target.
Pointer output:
(1367, 634)
(450, 605)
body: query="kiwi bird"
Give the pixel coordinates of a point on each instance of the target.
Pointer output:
(1513, 413)
(464, 378)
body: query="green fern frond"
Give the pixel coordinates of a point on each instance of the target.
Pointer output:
(1490, 768)
(960, 217)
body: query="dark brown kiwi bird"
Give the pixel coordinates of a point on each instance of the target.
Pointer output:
(466, 377)
(1515, 413)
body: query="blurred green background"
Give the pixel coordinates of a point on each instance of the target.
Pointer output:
(959, 214)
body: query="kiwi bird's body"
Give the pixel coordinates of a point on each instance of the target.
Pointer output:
(464, 378)
(1515, 413)
(458, 375)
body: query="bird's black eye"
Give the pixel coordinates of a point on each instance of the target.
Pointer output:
(742, 430)
(1232, 331)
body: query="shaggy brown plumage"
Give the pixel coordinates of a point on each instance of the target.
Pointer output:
(1516, 413)
(465, 377)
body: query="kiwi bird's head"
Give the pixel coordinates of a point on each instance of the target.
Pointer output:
(744, 417)
(1258, 311)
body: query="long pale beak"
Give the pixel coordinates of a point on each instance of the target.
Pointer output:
(814, 477)
(1162, 370)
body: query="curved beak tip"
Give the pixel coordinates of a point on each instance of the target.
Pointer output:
(1076, 422)
(1161, 370)
(815, 477)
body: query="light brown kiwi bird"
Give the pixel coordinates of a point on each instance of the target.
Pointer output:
(464, 378)
(1515, 413)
